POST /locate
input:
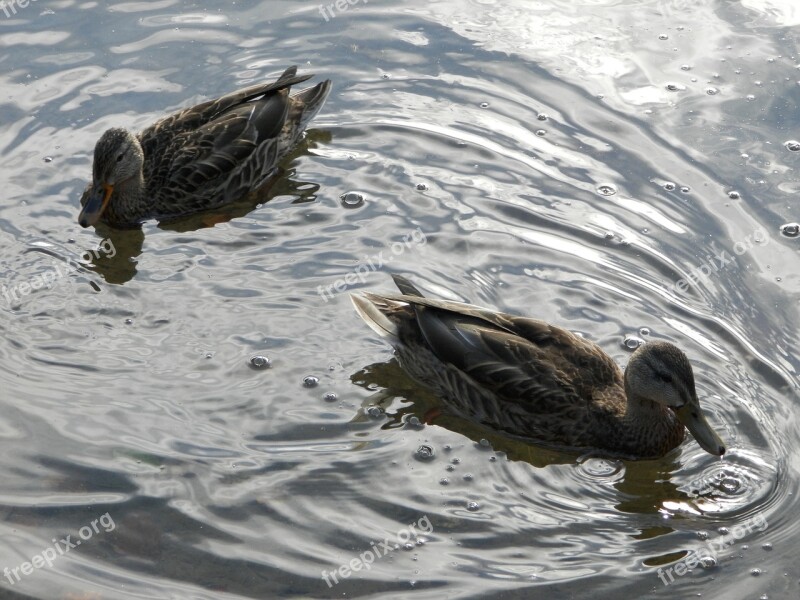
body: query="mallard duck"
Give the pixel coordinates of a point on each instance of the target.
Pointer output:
(541, 382)
(198, 158)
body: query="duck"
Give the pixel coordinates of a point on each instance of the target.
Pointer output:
(198, 158)
(538, 381)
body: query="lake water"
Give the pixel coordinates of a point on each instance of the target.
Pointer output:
(627, 170)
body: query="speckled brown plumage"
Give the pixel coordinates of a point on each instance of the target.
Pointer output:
(539, 381)
(201, 157)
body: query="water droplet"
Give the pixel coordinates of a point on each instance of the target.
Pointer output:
(209, 355)
(444, 481)
(792, 145)
(708, 562)
(473, 506)
(712, 91)
(644, 331)
(414, 421)
(663, 36)
(609, 235)
(484, 443)
(352, 199)
(484, 105)
(541, 132)
(755, 572)
(675, 87)
(128, 321)
(734, 195)
(669, 186)
(455, 460)
(750, 97)
(631, 342)
(790, 229)
(330, 397)
(702, 535)
(685, 189)
(374, 412)
(722, 530)
(541, 117)
(469, 477)
(422, 187)
(260, 362)
(492, 458)
(767, 546)
(450, 468)
(606, 189)
(686, 67)
(310, 381)
(48, 159)
(425, 453)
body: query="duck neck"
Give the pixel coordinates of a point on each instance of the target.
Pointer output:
(126, 205)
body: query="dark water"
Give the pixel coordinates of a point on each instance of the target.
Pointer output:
(617, 168)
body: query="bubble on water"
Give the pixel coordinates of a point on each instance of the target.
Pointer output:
(422, 187)
(663, 36)
(484, 443)
(414, 421)
(541, 117)
(470, 477)
(386, 75)
(766, 546)
(425, 453)
(669, 186)
(708, 562)
(702, 535)
(374, 412)
(644, 331)
(444, 481)
(750, 97)
(260, 362)
(790, 229)
(734, 195)
(209, 355)
(541, 132)
(606, 189)
(455, 460)
(609, 235)
(712, 91)
(310, 381)
(450, 468)
(755, 572)
(792, 145)
(632, 342)
(492, 459)
(352, 199)
(48, 159)
(484, 105)
(722, 530)
(685, 189)
(330, 397)
(473, 506)
(686, 68)
(675, 87)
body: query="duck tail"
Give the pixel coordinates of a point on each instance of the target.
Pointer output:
(368, 310)
(406, 287)
(306, 104)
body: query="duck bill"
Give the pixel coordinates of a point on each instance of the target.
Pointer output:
(696, 423)
(95, 205)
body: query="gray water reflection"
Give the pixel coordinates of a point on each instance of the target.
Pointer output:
(488, 127)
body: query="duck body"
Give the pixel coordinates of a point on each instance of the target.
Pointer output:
(201, 157)
(538, 381)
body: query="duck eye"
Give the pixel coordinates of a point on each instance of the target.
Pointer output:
(665, 377)
(119, 158)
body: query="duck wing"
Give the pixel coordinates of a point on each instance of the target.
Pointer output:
(525, 360)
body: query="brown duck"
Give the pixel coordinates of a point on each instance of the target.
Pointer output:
(198, 158)
(539, 381)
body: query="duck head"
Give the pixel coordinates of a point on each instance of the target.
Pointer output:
(661, 373)
(118, 160)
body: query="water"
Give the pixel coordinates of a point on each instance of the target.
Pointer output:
(136, 421)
